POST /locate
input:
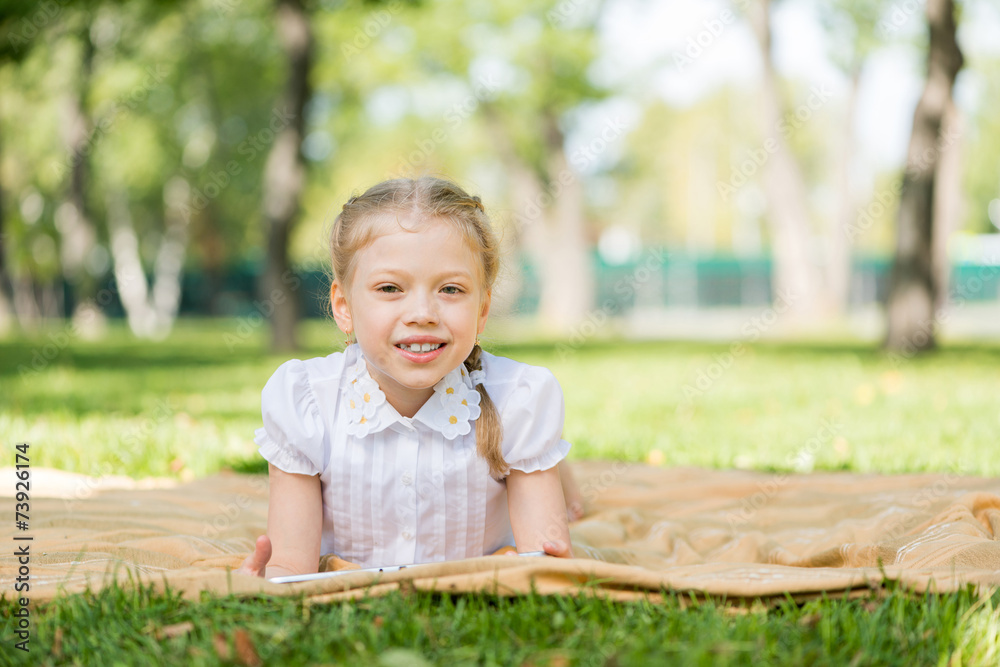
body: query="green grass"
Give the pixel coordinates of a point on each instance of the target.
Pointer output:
(116, 626)
(188, 407)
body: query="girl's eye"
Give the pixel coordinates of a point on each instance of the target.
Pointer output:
(451, 289)
(387, 289)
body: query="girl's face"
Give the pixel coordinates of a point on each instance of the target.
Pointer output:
(410, 291)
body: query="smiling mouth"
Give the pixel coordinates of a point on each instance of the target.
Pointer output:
(420, 347)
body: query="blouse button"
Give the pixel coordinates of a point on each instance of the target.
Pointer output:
(407, 479)
(407, 535)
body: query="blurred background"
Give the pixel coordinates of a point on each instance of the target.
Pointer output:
(716, 169)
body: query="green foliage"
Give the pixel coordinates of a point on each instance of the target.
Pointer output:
(981, 171)
(399, 89)
(856, 29)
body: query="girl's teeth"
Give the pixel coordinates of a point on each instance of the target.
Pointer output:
(421, 347)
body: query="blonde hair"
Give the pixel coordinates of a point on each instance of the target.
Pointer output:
(366, 216)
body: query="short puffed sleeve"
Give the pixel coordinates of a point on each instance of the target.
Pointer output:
(532, 418)
(293, 435)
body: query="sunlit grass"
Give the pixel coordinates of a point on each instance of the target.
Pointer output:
(189, 406)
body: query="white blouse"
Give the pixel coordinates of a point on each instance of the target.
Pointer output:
(400, 490)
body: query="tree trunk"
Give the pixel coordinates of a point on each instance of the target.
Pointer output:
(947, 201)
(563, 260)
(550, 226)
(838, 258)
(284, 176)
(6, 309)
(151, 311)
(795, 277)
(914, 287)
(77, 233)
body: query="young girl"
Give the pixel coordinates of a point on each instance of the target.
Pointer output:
(413, 445)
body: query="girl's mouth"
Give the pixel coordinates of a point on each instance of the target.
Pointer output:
(421, 353)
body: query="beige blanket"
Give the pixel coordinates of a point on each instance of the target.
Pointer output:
(735, 534)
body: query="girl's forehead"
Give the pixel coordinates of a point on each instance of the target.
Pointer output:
(418, 240)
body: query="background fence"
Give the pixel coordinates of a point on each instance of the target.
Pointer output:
(674, 281)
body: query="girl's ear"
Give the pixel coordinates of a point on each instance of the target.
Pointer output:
(341, 309)
(484, 311)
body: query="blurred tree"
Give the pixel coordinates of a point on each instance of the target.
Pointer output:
(529, 126)
(914, 286)
(486, 94)
(981, 173)
(284, 173)
(225, 118)
(853, 26)
(97, 105)
(24, 27)
(796, 278)
(526, 70)
(6, 313)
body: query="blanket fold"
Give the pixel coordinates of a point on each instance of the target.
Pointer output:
(731, 533)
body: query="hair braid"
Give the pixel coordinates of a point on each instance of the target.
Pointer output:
(489, 428)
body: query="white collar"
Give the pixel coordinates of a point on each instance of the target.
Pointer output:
(449, 411)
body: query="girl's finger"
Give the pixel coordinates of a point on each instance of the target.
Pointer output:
(557, 548)
(256, 562)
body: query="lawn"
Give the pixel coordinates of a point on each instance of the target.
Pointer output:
(188, 406)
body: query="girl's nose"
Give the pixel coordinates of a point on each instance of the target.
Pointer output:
(421, 309)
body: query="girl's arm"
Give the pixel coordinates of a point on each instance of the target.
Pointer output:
(294, 527)
(294, 522)
(538, 512)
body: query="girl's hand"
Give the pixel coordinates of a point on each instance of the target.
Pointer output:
(256, 562)
(557, 548)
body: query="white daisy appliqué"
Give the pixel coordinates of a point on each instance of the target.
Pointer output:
(363, 400)
(459, 404)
